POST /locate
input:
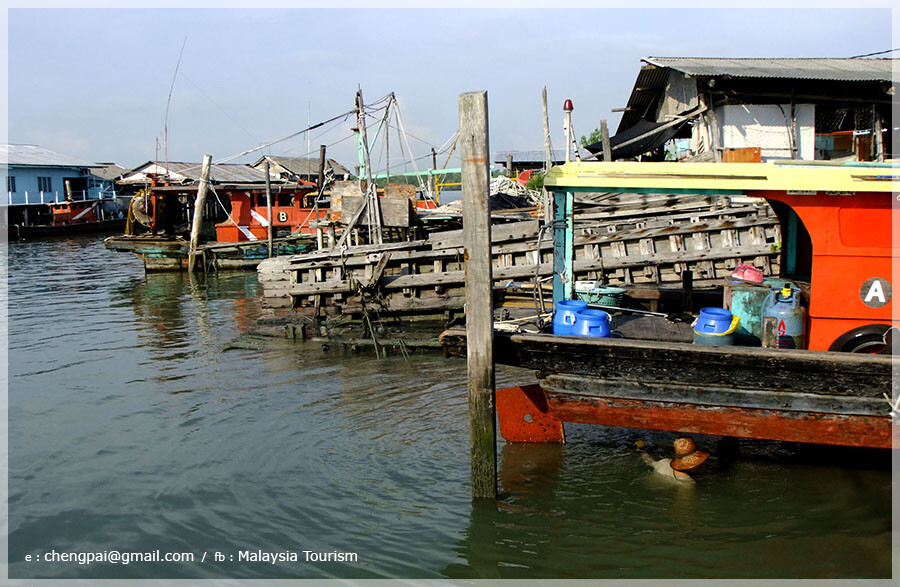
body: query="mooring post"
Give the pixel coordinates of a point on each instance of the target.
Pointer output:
(199, 204)
(474, 152)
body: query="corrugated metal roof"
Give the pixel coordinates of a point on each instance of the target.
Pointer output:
(653, 77)
(305, 165)
(107, 171)
(651, 81)
(807, 68)
(222, 173)
(38, 156)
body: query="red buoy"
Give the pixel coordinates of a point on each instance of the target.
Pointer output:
(568, 107)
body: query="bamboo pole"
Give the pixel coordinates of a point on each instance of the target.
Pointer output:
(199, 204)
(474, 152)
(271, 228)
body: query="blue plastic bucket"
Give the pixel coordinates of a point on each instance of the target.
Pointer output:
(591, 322)
(713, 321)
(564, 316)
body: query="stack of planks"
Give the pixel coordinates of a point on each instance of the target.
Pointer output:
(647, 241)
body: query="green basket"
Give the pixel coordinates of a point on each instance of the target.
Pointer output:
(609, 296)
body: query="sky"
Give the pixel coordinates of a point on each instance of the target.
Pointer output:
(95, 83)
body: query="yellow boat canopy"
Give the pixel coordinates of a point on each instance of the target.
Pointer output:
(721, 178)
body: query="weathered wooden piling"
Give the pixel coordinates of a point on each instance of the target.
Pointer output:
(474, 152)
(604, 138)
(199, 204)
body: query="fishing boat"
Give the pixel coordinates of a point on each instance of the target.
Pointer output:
(158, 225)
(67, 217)
(251, 207)
(837, 247)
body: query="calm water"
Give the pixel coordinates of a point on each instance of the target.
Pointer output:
(143, 416)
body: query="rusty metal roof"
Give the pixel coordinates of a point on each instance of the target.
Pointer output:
(833, 69)
(38, 157)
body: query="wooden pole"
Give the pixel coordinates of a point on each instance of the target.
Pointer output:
(877, 138)
(321, 180)
(604, 137)
(199, 204)
(271, 229)
(509, 171)
(371, 190)
(474, 152)
(547, 151)
(548, 199)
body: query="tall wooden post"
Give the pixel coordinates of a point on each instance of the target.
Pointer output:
(604, 138)
(271, 228)
(878, 139)
(199, 204)
(321, 179)
(474, 152)
(548, 199)
(371, 191)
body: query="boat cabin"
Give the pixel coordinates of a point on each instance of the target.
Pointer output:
(836, 225)
(293, 209)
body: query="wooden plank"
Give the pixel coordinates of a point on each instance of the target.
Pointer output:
(475, 156)
(787, 370)
(378, 269)
(337, 252)
(712, 395)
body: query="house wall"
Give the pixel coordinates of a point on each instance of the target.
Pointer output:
(27, 191)
(680, 96)
(768, 127)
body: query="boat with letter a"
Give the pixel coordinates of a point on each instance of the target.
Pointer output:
(838, 246)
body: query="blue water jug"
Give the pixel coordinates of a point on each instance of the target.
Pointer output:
(713, 321)
(564, 316)
(591, 322)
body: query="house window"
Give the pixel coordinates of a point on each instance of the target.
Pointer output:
(44, 184)
(11, 184)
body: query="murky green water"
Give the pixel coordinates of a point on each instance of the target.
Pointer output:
(135, 426)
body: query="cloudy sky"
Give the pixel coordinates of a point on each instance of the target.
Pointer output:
(95, 83)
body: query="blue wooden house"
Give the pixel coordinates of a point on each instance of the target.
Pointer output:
(38, 179)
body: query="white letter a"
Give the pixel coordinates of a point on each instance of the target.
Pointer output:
(875, 291)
